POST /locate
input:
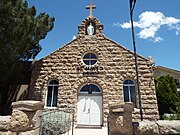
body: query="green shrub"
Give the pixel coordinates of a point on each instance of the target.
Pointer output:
(56, 122)
(167, 95)
(171, 117)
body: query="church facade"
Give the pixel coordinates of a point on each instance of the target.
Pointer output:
(90, 73)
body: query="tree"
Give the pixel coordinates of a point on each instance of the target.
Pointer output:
(167, 95)
(20, 32)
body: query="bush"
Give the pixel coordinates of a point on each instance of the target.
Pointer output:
(167, 95)
(175, 113)
(171, 116)
(56, 122)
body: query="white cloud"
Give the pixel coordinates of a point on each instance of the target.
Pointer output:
(74, 37)
(150, 22)
(177, 32)
(117, 24)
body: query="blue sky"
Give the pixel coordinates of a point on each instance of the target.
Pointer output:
(157, 25)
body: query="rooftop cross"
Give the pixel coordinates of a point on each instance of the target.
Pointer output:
(91, 7)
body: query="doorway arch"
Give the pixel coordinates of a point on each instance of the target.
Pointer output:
(89, 106)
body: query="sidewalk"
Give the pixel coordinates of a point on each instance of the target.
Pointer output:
(89, 131)
(82, 131)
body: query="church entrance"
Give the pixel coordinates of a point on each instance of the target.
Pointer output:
(89, 107)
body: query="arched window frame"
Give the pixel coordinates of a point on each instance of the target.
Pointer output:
(52, 94)
(99, 92)
(129, 90)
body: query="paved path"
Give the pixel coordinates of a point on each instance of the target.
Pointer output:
(90, 131)
(80, 131)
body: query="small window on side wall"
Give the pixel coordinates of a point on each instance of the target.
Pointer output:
(52, 94)
(129, 91)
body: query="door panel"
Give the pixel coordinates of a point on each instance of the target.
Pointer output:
(96, 110)
(89, 110)
(83, 110)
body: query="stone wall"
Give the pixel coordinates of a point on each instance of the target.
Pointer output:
(115, 64)
(25, 119)
(121, 123)
(121, 118)
(160, 127)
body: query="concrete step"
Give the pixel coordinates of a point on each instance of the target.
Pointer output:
(89, 131)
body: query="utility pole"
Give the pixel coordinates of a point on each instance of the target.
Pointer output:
(132, 5)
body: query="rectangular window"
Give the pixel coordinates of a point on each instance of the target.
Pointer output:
(52, 94)
(176, 80)
(49, 96)
(54, 104)
(129, 92)
(126, 94)
(133, 95)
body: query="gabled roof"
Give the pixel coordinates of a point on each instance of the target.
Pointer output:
(121, 46)
(168, 69)
(99, 26)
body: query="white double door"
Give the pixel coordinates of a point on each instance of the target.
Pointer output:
(89, 110)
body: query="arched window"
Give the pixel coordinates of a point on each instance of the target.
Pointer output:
(129, 91)
(52, 94)
(90, 59)
(90, 89)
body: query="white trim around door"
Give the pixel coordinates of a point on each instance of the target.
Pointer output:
(89, 107)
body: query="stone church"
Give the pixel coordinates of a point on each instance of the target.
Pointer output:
(90, 73)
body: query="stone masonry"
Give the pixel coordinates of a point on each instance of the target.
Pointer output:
(25, 119)
(115, 64)
(121, 119)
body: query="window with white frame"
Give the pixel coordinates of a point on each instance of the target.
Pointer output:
(52, 94)
(177, 80)
(90, 89)
(90, 59)
(129, 91)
